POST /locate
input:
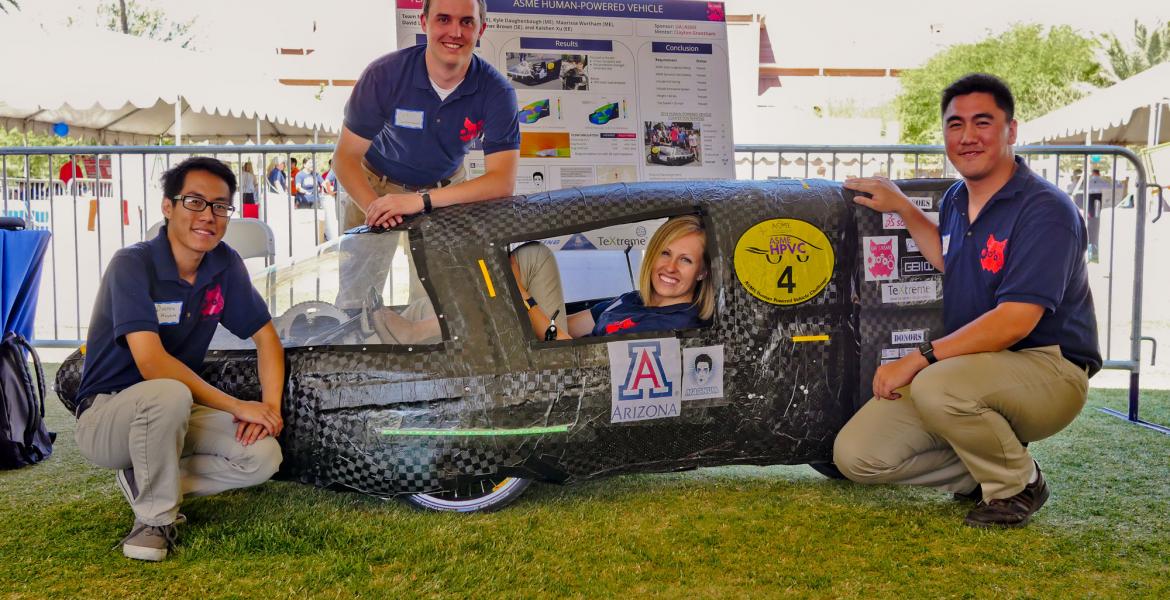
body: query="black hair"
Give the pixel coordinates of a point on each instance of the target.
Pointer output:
(176, 176)
(537, 173)
(293, 160)
(972, 83)
(704, 358)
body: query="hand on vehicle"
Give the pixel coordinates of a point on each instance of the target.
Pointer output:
(389, 210)
(884, 196)
(890, 377)
(259, 414)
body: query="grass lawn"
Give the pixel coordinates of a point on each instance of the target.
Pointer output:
(725, 532)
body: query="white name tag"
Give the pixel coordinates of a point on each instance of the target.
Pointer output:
(168, 312)
(411, 119)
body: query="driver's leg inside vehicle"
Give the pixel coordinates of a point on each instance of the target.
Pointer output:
(541, 277)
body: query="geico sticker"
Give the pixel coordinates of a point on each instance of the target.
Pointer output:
(784, 261)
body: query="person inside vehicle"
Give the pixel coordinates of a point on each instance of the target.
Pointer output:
(675, 292)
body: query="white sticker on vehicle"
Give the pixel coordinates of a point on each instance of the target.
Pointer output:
(911, 245)
(702, 372)
(881, 257)
(645, 379)
(895, 353)
(892, 221)
(915, 336)
(908, 292)
(923, 202)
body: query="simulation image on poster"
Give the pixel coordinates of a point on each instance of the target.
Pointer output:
(673, 144)
(544, 144)
(548, 71)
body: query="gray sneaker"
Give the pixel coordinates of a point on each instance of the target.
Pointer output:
(126, 484)
(150, 542)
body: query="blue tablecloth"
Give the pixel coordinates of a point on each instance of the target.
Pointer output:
(21, 254)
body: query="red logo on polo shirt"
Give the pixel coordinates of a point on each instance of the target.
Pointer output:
(212, 302)
(613, 328)
(470, 130)
(991, 258)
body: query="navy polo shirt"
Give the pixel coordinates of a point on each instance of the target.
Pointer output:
(142, 291)
(1027, 245)
(627, 314)
(418, 139)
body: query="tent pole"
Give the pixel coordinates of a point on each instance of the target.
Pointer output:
(179, 120)
(258, 142)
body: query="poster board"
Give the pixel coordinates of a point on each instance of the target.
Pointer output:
(615, 91)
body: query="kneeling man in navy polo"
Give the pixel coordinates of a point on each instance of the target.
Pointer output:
(414, 115)
(1020, 337)
(143, 409)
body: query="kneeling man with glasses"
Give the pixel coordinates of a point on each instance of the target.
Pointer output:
(143, 410)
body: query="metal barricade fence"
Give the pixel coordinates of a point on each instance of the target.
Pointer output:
(95, 214)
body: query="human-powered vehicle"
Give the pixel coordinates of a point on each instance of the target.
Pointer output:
(812, 294)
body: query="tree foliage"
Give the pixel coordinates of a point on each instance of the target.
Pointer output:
(1147, 49)
(1046, 69)
(6, 4)
(133, 18)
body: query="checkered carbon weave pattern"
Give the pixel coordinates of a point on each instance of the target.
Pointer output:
(784, 400)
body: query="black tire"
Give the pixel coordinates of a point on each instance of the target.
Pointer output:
(485, 495)
(829, 470)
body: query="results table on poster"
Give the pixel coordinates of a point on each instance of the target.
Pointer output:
(608, 91)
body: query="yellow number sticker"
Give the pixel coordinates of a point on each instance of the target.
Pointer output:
(784, 261)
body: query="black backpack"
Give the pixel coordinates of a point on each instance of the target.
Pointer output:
(23, 437)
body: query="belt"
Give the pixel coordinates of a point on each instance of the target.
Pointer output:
(406, 186)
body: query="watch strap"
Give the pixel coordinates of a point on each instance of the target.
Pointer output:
(427, 207)
(926, 349)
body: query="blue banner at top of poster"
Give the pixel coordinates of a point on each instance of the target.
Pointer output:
(565, 45)
(671, 10)
(680, 48)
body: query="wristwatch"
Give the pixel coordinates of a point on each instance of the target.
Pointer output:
(927, 350)
(427, 208)
(531, 302)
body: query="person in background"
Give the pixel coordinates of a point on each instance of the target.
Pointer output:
(248, 192)
(292, 181)
(277, 179)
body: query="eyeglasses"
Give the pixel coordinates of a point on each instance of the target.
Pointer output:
(198, 204)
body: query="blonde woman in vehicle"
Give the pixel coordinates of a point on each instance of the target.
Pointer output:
(674, 287)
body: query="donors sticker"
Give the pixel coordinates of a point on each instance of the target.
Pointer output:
(645, 379)
(784, 261)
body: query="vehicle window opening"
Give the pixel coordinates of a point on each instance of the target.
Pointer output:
(360, 290)
(590, 283)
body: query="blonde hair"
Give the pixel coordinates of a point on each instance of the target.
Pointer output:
(675, 228)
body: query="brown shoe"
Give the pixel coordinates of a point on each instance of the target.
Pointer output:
(1010, 512)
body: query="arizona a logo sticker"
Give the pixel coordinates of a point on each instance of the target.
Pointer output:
(645, 378)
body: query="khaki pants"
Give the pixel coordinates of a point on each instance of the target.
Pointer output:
(177, 448)
(541, 277)
(354, 216)
(963, 421)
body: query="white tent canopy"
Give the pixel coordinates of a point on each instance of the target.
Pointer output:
(1135, 111)
(124, 89)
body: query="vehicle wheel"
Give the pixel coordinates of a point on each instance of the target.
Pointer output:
(828, 469)
(484, 495)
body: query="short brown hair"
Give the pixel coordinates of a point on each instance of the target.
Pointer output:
(675, 228)
(482, 10)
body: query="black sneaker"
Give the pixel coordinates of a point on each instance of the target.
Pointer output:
(1010, 512)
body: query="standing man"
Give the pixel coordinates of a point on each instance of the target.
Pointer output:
(1021, 335)
(142, 407)
(413, 116)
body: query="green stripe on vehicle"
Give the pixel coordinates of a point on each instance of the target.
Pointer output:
(477, 432)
